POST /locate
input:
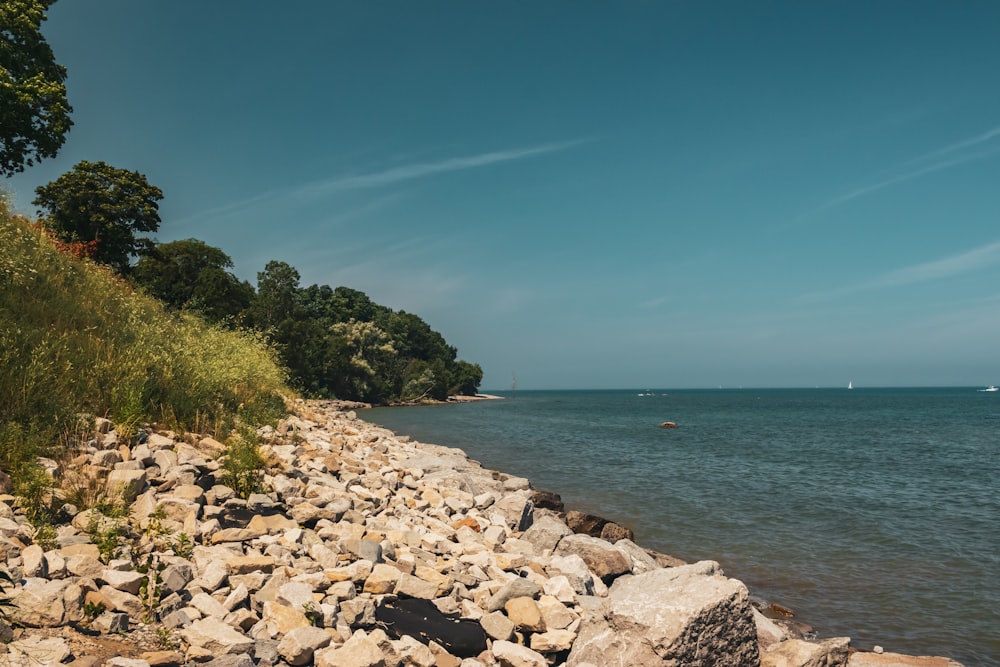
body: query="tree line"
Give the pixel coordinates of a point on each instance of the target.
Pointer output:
(335, 342)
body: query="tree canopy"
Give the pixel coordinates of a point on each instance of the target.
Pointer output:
(34, 110)
(193, 275)
(95, 202)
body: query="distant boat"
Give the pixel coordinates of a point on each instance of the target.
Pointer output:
(850, 385)
(990, 388)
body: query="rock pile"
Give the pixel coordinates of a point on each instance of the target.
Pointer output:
(367, 550)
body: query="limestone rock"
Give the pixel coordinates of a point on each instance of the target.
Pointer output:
(546, 532)
(801, 653)
(864, 659)
(678, 616)
(298, 646)
(508, 654)
(601, 557)
(38, 651)
(358, 651)
(214, 635)
(40, 604)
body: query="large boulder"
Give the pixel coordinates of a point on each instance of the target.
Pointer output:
(690, 615)
(601, 557)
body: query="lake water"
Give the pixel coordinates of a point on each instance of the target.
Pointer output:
(872, 513)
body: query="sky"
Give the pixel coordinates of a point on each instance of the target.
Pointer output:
(582, 194)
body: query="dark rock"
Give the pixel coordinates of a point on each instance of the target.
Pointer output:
(612, 532)
(548, 500)
(587, 524)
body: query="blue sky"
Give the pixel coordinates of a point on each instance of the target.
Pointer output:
(639, 194)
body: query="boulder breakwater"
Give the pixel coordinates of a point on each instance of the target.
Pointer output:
(364, 549)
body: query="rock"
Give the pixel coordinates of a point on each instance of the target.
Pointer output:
(414, 587)
(382, 580)
(516, 510)
(128, 581)
(497, 625)
(768, 632)
(38, 651)
(552, 641)
(280, 619)
(208, 606)
(883, 659)
(163, 658)
(677, 616)
(121, 601)
(800, 653)
(33, 562)
(601, 557)
(525, 614)
(586, 524)
(547, 500)
(40, 604)
(546, 532)
(126, 483)
(297, 647)
(110, 622)
(513, 589)
(215, 636)
(612, 532)
(125, 662)
(358, 651)
(508, 654)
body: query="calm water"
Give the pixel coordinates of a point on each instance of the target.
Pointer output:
(872, 513)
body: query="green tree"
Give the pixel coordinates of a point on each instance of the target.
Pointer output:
(277, 293)
(191, 274)
(34, 111)
(465, 379)
(100, 203)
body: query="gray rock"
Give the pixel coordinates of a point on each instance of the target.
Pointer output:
(675, 616)
(545, 533)
(515, 588)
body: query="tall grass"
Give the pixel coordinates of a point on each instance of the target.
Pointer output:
(76, 339)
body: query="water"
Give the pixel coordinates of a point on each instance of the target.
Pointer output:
(871, 513)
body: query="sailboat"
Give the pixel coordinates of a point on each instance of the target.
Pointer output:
(850, 384)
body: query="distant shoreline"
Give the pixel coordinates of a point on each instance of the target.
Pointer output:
(477, 397)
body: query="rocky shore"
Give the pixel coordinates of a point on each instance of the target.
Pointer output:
(366, 550)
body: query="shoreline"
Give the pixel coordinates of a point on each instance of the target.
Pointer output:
(368, 548)
(786, 617)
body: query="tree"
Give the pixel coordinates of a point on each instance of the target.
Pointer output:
(100, 203)
(277, 291)
(194, 275)
(34, 111)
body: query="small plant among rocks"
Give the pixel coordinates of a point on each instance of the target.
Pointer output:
(242, 464)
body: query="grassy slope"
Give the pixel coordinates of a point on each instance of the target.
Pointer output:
(75, 339)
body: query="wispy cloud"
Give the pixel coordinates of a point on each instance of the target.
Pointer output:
(955, 154)
(937, 269)
(965, 262)
(408, 172)
(989, 135)
(285, 196)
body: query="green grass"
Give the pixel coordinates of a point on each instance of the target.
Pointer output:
(75, 339)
